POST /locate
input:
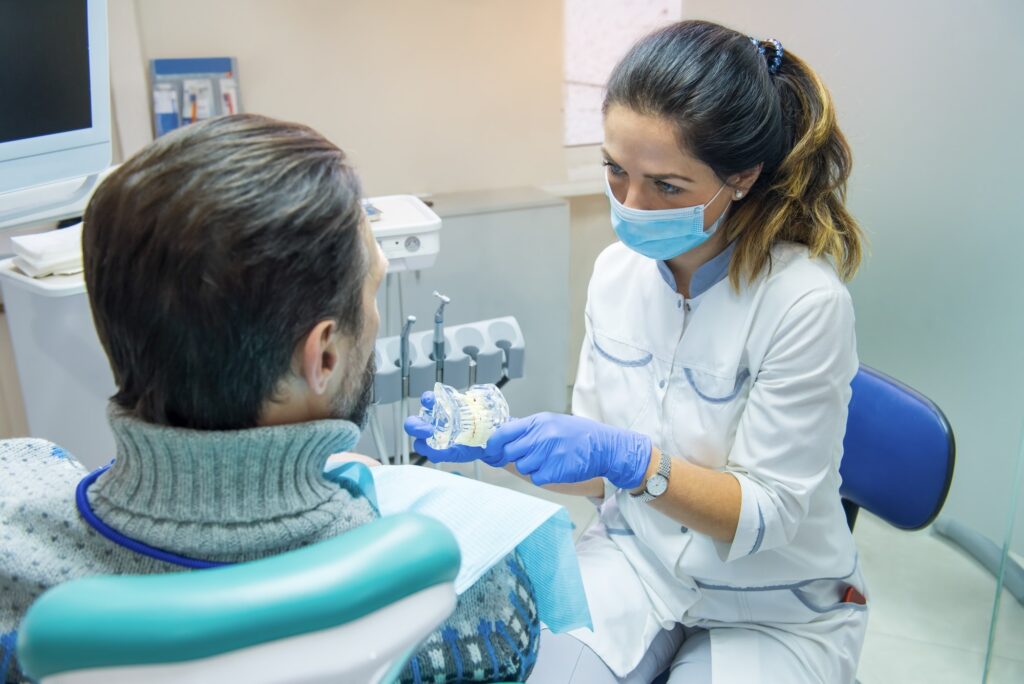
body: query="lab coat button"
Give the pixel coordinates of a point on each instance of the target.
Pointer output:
(661, 384)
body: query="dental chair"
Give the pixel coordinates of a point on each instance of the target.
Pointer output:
(898, 453)
(349, 609)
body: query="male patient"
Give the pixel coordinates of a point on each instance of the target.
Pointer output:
(232, 276)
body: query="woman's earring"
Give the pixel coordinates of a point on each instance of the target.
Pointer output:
(739, 194)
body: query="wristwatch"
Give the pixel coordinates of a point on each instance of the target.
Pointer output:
(657, 484)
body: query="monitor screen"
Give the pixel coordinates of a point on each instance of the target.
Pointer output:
(44, 82)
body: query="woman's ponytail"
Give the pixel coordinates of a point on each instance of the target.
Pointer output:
(803, 198)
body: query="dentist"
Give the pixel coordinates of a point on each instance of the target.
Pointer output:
(711, 397)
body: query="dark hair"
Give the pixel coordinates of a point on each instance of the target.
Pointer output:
(210, 254)
(733, 113)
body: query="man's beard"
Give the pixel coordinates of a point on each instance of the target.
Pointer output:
(354, 406)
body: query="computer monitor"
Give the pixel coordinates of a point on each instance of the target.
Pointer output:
(54, 91)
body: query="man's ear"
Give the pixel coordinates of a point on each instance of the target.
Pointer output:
(321, 355)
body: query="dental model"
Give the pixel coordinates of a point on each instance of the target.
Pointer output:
(468, 418)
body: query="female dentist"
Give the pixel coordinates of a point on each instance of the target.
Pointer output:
(710, 401)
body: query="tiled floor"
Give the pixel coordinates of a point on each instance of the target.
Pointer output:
(931, 608)
(931, 604)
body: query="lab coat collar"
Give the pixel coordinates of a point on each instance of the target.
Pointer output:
(709, 273)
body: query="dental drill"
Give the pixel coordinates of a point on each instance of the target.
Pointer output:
(439, 337)
(404, 364)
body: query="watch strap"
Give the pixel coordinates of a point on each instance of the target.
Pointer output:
(664, 469)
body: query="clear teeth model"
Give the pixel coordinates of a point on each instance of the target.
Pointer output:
(467, 418)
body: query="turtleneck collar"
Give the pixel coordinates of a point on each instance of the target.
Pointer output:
(216, 493)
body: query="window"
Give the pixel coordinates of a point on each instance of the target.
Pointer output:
(597, 34)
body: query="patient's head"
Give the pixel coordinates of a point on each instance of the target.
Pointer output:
(232, 276)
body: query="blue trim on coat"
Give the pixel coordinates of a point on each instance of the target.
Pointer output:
(740, 379)
(774, 587)
(760, 530)
(636, 363)
(707, 275)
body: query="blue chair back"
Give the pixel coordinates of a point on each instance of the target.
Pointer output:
(898, 455)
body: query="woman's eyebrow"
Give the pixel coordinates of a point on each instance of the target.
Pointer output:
(664, 176)
(652, 176)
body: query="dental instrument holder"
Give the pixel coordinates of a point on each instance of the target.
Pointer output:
(495, 347)
(404, 363)
(404, 355)
(439, 345)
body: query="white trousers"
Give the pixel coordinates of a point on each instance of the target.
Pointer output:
(565, 660)
(803, 633)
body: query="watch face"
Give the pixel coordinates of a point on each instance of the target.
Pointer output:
(657, 484)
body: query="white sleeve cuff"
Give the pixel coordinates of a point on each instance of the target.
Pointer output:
(750, 530)
(609, 491)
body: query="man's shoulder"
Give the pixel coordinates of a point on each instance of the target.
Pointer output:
(27, 463)
(39, 530)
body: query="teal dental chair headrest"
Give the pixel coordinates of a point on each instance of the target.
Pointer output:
(113, 621)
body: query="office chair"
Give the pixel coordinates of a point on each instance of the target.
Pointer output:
(898, 453)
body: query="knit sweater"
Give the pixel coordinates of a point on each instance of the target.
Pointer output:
(224, 496)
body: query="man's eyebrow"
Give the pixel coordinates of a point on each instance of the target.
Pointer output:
(652, 176)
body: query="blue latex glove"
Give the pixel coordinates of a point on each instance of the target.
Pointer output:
(556, 448)
(420, 429)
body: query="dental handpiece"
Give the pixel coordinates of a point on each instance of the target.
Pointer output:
(439, 337)
(404, 354)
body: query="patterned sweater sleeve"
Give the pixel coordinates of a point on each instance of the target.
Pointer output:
(9, 670)
(491, 637)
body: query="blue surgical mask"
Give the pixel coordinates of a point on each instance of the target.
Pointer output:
(662, 233)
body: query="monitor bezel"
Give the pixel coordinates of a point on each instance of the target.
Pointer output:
(58, 156)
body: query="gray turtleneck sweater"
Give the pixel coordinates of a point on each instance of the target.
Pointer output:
(222, 496)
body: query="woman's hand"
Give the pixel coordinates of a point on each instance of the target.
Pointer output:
(549, 448)
(556, 448)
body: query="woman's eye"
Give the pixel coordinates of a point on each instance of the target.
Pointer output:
(614, 168)
(667, 188)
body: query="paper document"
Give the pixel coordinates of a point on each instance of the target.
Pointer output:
(488, 522)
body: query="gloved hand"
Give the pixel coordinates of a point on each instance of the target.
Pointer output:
(556, 448)
(421, 429)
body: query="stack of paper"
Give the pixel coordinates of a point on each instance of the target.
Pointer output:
(54, 252)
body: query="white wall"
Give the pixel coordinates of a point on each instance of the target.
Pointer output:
(12, 413)
(427, 97)
(930, 95)
(436, 96)
(590, 231)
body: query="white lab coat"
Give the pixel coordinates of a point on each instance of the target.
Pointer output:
(755, 384)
